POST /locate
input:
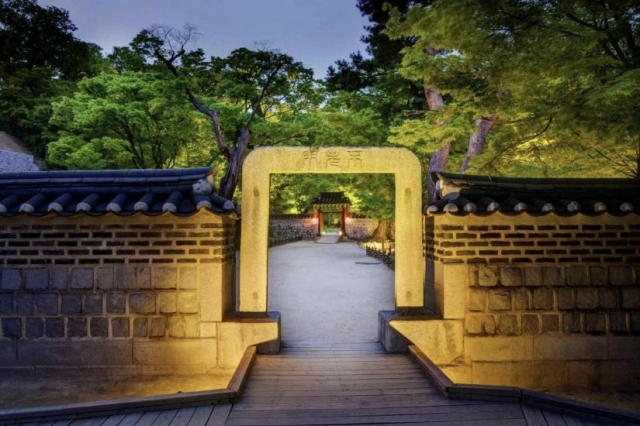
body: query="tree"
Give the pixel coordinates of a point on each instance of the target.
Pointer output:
(133, 119)
(39, 61)
(558, 81)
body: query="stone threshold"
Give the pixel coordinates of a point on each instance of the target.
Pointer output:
(131, 405)
(540, 400)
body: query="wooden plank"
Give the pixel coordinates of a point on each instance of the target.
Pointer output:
(165, 417)
(130, 419)
(94, 421)
(439, 379)
(452, 418)
(201, 415)
(572, 420)
(148, 418)
(349, 404)
(114, 420)
(553, 418)
(346, 391)
(442, 409)
(183, 416)
(61, 423)
(219, 415)
(534, 416)
(420, 383)
(240, 376)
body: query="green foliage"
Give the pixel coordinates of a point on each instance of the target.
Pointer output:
(562, 78)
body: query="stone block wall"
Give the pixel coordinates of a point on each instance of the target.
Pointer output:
(361, 228)
(149, 290)
(288, 228)
(545, 302)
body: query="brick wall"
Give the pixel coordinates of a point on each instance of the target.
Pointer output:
(361, 228)
(288, 228)
(132, 283)
(535, 301)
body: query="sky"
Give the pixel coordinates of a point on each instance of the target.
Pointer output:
(315, 32)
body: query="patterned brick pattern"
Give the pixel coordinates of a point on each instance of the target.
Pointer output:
(495, 242)
(513, 300)
(108, 277)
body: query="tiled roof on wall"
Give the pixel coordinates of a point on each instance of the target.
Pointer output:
(462, 194)
(331, 198)
(123, 192)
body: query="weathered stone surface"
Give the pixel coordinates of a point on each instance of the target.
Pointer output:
(142, 303)
(164, 278)
(595, 322)
(566, 298)
(71, 304)
(93, 304)
(25, 304)
(532, 276)
(120, 327)
(599, 275)
(35, 279)
(54, 327)
(76, 352)
(621, 275)
(82, 278)
(168, 302)
(99, 327)
(12, 328)
(59, 278)
(6, 303)
(144, 278)
(511, 276)
(624, 347)
(570, 348)
(489, 324)
(543, 299)
(499, 348)
(634, 322)
(523, 299)
(188, 278)
(477, 300)
(105, 278)
(571, 323)
(158, 327)
(473, 324)
(618, 322)
(34, 328)
(577, 275)
(608, 298)
(499, 300)
(11, 279)
(552, 276)
(116, 303)
(487, 275)
(125, 278)
(530, 324)
(631, 298)
(177, 352)
(550, 323)
(587, 298)
(48, 304)
(473, 276)
(508, 325)
(77, 327)
(140, 327)
(177, 327)
(188, 302)
(191, 326)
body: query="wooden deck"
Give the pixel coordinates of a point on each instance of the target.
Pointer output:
(338, 385)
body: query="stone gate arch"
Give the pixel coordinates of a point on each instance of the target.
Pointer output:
(261, 163)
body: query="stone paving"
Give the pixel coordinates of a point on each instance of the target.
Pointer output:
(328, 292)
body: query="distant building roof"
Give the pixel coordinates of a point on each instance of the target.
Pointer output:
(122, 192)
(332, 199)
(462, 194)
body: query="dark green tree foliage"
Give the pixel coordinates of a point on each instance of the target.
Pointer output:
(559, 82)
(39, 61)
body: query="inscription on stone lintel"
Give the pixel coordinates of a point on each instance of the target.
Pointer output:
(331, 159)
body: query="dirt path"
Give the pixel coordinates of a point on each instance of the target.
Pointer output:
(328, 292)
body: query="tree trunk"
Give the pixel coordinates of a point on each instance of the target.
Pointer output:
(437, 163)
(478, 139)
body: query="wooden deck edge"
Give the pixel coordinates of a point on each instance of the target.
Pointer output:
(577, 408)
(515, 394)
(442, 382)
(112, 407)
(239, 378)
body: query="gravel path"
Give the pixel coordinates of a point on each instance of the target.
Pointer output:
(328, 292)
